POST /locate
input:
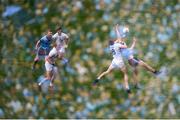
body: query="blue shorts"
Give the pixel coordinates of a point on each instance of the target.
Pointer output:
(134, 62)
(43, 51)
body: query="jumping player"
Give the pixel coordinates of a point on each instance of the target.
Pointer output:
(127, 53)
(61, 40)
(117, 62)
(42, 47)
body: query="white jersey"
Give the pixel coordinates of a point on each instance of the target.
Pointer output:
(117, 61)
(52, 55)
(60, 39)
(116, 50)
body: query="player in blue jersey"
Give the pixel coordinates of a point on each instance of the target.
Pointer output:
(43, 47)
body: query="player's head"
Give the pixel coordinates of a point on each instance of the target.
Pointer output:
(59, 30)
(49, 33)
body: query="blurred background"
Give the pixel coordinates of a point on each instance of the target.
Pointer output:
(89, 24)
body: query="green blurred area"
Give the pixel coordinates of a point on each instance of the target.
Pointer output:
(89, 24)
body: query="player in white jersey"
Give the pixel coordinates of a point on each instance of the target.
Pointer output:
(61, 40)
(117, 63)
(50, 66)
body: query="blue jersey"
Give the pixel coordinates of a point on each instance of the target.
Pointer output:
(45, 42)
(127, 52)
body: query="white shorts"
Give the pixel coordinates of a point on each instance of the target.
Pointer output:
(117, 63)
(61, 50)
(48, 66)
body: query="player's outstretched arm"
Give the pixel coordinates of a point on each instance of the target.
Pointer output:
(134, 43)
(37, 44)
(117, 31)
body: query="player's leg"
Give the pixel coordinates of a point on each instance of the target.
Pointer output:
(135, 77)
(110, 68)
(105, 72)
(124, 70)
(50, 77)
(51, 80)
(49, 74)
(53, 76)
(148, 67)
(135, 62)
(37, 58)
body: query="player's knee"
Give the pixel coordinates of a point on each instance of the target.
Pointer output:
(106, 72)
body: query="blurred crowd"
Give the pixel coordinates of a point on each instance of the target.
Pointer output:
(90, 25)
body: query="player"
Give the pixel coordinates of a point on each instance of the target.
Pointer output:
(117, 62)
(61, 40)
(43, 47)
(127, 53)
(50, 66)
